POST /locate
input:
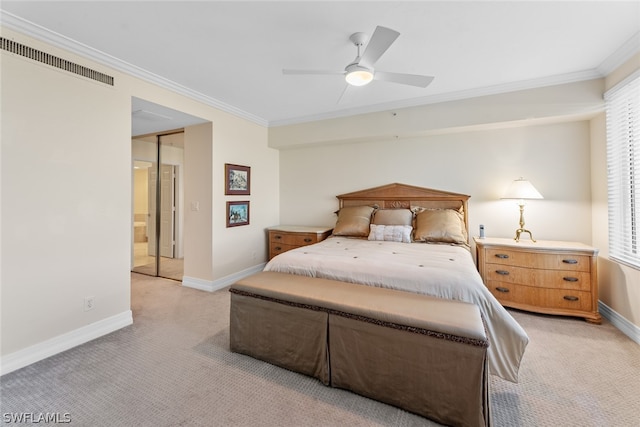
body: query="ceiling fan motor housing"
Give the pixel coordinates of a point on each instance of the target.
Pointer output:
(357, 75)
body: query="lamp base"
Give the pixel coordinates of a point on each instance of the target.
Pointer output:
(522, 230)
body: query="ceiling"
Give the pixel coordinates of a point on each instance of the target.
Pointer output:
(150, 118)
(231, 54)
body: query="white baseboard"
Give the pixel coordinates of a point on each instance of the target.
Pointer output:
(195, 283)
(214, 285)
(627, 328)
(40, 351)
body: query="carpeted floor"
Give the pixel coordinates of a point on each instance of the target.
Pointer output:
(172, 367)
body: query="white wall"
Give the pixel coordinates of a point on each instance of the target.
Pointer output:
(475, 146)
(66, 200)
(554, 157)
(236, 248)
(66, 211)
(198, 262)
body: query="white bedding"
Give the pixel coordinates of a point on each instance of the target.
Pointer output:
(444, 271)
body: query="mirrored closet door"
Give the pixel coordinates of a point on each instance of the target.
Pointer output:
(157, 205)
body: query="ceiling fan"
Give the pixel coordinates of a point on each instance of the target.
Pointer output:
(361, 70)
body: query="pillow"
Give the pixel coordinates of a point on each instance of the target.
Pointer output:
(440, 226)
(391, 233)
(392, 217)
(353, 221)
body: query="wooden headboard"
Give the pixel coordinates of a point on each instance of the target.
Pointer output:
(396, 196)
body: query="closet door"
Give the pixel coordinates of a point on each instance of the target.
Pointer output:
(167, 211)
(156, 208)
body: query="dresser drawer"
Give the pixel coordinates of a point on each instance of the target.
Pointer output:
(525, 296)
(278, 248)
(539, 260)
(558, 279)
(297, 239)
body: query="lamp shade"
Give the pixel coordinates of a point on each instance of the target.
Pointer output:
(522, 189)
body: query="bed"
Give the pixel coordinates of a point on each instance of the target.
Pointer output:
(412, 239)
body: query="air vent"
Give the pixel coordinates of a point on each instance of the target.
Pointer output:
(54, 61)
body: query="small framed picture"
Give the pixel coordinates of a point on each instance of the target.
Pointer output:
(237, 180)
(237, 213)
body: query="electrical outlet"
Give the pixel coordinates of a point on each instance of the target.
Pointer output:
(89, 303)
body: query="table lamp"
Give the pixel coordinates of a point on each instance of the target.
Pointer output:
(520, 190)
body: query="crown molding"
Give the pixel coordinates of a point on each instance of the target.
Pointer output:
(621, 55)
(30, 29)
(447, 97)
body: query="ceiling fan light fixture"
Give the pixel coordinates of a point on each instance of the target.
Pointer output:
(358, 76)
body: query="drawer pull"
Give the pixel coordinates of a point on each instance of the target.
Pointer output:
(277, 237)
(307, 240)
(503, 290)
(571, 298)
(570, 261)
(278, 248)
(502, 272)
(570, 279)
(502, 256)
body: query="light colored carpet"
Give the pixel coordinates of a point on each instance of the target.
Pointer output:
(172, 367)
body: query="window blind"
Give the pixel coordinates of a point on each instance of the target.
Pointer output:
(623, 170)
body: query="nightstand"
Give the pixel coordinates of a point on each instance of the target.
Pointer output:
(283, 238)
(549, 277)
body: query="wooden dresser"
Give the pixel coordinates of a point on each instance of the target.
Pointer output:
(550, 277)
(283, 238)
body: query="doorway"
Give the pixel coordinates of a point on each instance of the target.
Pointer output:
(158, 168)
(159, 141)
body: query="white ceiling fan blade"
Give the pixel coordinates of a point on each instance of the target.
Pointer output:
(380, 41)
(405, 79)
(288, 71)
(346, 94)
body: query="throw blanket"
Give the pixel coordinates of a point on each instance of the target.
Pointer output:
(444, 271)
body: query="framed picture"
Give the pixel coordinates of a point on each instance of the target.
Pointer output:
(237, 179)
(237, 213)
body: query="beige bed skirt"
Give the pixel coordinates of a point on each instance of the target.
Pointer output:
(290, 337)
(439, 379)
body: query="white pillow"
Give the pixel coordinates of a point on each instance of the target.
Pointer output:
(390, 233)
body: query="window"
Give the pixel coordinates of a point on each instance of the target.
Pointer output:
(623, 169)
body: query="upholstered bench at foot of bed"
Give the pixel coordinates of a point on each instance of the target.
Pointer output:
(422, 354)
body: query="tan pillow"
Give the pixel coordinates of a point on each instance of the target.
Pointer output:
(440, 226)
(392, 217)
(353, 221)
